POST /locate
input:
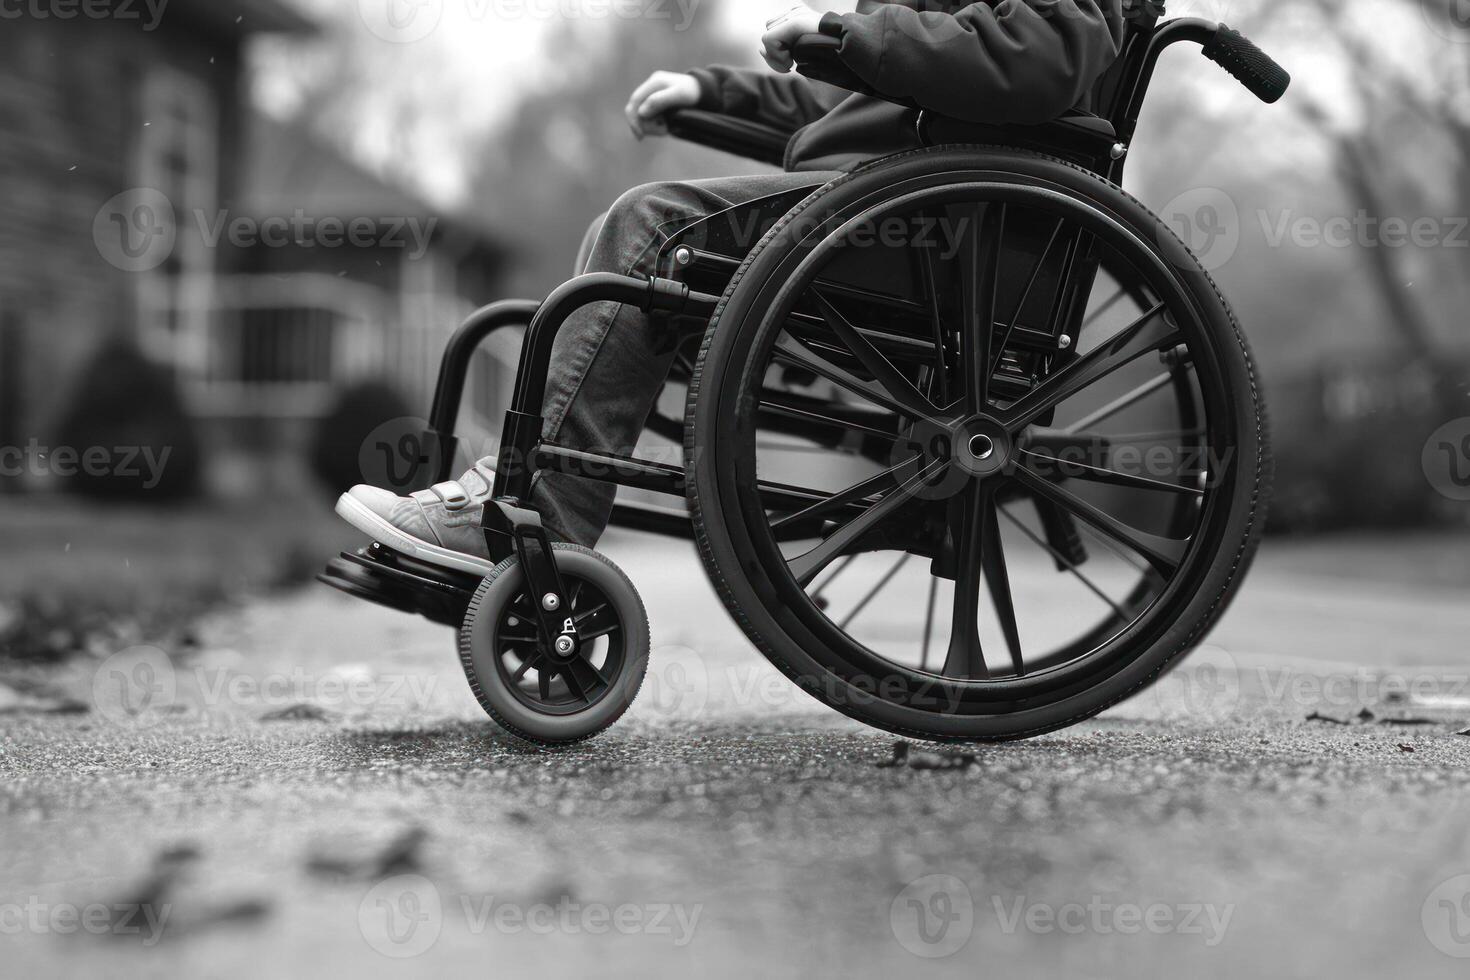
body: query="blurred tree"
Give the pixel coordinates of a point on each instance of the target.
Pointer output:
(567, 153)
(1396, 97)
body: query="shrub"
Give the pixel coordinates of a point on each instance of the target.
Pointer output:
(339, 449)
(129, 407)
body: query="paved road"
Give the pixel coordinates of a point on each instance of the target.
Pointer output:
(731, 825)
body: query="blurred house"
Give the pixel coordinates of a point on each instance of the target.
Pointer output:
(142, 196)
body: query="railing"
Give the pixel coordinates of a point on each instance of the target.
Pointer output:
(269, 347)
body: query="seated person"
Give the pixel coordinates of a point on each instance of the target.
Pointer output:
(1011, 61)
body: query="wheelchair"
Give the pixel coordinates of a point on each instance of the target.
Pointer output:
(975, 374)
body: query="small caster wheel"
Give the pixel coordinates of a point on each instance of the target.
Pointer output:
(538, 689)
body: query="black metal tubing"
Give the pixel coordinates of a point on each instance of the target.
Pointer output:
(1130, 102)
(612, 468)
(624, 471)
(522, 437)
(455, 368)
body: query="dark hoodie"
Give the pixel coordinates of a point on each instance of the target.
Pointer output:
(1001, 61)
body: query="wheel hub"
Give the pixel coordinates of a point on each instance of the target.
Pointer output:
(982, 446)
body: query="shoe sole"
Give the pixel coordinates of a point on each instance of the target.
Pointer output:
(360, 516)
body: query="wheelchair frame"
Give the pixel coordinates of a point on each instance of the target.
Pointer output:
(1100, 142)
(686, 286)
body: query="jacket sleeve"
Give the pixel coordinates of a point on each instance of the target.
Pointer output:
(787, 102)
(1019, 61)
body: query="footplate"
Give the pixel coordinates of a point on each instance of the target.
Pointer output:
(381, 575)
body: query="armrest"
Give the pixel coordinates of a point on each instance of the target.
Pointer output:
(741, 137)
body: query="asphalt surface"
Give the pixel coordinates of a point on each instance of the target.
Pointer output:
(318, 795)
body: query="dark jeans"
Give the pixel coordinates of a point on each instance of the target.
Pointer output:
(610, 361)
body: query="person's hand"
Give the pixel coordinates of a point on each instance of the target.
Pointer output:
(663, 92)
(783, 32)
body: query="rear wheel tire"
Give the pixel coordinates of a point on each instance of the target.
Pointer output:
(1190, 577)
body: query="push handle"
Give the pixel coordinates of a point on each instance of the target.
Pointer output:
(1251, 66)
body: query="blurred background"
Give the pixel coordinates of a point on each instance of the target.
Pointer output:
(234, 238)
(239, 231)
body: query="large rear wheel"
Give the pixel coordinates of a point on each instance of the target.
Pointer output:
(1072, 457)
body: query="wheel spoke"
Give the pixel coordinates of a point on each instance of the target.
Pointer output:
(794, 353)
(1067, 469)
(807, 567)
(930, 276)
(543, 682)
(525, 666)
(1066, 562)
(978, 281)
(1026, 295)
(853, 494)
(966, 659)
(1120, 404)
(583, 679)
(1149, 332)
(998, 579)
(596, 622)
(899, 388)
(873, 593)
(1164, 554)
(929, 621)
(827, 583)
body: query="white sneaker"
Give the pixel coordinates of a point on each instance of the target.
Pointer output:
(440, 525)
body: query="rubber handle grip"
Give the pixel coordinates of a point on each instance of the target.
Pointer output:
(1251, 66)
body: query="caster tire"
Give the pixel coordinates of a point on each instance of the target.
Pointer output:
(540, 698)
